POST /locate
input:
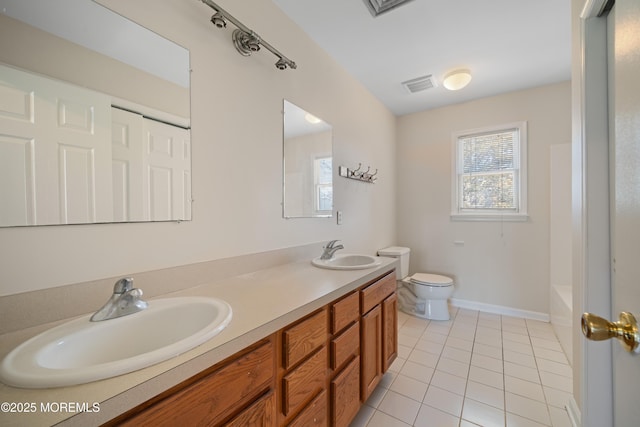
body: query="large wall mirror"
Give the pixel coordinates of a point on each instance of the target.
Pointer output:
(308, 164)
(94, 117)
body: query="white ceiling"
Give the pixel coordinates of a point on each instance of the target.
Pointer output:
(507, 44)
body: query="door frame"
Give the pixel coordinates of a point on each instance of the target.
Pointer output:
(591, 264)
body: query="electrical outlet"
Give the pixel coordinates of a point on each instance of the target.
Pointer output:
(339, 215)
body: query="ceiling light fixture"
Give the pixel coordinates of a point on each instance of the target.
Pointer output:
(457, 79)
(245, 40)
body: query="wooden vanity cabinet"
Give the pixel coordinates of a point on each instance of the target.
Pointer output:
(379, 336)
(314, 372)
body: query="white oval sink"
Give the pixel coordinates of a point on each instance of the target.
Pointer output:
(82, 351)
(347, 262)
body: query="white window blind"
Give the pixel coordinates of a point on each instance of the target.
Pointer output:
(489, 168)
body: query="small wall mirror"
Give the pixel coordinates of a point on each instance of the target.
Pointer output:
(308, 164)
(94, 117)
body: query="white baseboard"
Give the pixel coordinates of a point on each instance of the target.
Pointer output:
(574, 413)
(499, 309)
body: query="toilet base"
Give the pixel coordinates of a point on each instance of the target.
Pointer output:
(437, 309)
(429, 309)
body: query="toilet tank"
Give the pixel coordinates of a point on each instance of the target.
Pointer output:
(402, 254)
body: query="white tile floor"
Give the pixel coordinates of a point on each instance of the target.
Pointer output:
(478, 369)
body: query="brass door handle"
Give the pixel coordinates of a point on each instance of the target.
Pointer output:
(626, 329)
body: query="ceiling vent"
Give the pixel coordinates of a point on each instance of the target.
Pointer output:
(419, 84)
(378, 7)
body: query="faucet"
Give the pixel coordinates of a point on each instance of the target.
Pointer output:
(330, 249)
(125, 300)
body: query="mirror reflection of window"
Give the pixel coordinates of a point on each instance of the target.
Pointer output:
(307, 159)
(324, 185)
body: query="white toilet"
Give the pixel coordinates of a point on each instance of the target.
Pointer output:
(423, 294)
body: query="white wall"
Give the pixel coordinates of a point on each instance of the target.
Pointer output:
(560, 215)
(236, 106)
(560, 250)
(505, 264)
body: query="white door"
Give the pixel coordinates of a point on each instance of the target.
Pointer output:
(127, 151)
(624, 129)
(625, 238)
(54, 151)
(167, 172)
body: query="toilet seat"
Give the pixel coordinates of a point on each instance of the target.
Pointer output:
(431, 279)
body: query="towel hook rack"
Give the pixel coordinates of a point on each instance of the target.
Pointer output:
(357, 174)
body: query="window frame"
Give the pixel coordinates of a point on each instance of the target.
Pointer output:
(520, 213)
(318, 186)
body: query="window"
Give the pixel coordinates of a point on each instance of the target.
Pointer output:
(490, 173)
(323, 173)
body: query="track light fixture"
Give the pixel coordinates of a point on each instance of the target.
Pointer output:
(245, 40)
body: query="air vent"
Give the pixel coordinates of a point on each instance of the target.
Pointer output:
(419, 84)
(378, 7)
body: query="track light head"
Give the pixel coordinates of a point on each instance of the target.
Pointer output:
(253, 43)
(218, 20)
(246, 43)
(283, 63)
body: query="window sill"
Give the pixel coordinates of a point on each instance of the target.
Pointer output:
(506, 217)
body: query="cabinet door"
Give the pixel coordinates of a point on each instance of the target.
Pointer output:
(345, 390)
(371, 350)
(389, 331)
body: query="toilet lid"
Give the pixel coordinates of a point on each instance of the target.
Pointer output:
(431, 279)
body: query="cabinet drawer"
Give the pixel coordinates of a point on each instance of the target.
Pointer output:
(345, 345)
(345, 395)
(261, 413)
(315, 414)
(304, 382)
(373, 294)
(215, 396)
(344, 312)
(302, 339)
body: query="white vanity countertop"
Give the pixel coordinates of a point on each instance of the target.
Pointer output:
(263, 302)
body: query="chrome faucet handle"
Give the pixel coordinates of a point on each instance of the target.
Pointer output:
(123, 285)
(331, 244)
(125, 300)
